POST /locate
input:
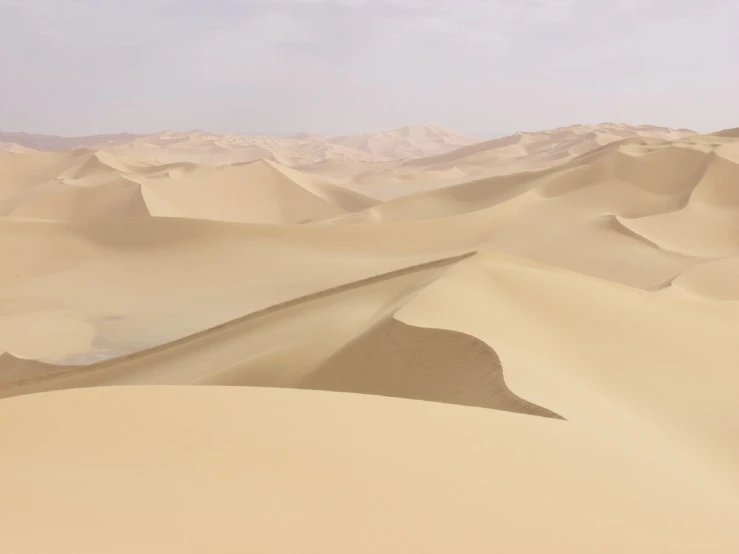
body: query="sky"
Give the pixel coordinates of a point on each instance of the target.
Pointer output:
(483, 67)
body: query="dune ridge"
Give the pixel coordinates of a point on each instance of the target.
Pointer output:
(211, 148)
(61, 186)
(252, 362)
(519, 345)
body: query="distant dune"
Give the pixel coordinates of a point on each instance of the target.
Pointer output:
(413, 344)
(202, 147)
(526, 151)
(424, 146)
(13, 147)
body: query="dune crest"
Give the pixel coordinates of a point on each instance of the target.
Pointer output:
(417, 342)
(211, 148)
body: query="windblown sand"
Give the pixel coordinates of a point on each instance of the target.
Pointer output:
(519, 346)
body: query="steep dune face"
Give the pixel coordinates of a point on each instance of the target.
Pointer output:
(641, 363)
(242, 351)
(641, 212)
(254, 192)
(121, 198)
(350, 339)
(343, 339)
(707, 223)
(85, 185)
(395, 359)
(69, 185)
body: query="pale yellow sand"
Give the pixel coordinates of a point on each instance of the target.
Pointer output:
(171, 470)
(714, 280)
(559, 345)
(305, 148)
(529, 151)
(85, 185)
(128, 284)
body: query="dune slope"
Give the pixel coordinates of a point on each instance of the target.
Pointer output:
(227, 469)
(529, 346)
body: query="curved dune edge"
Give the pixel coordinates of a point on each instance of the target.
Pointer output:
(401, 283)
(673, 204)
(399, 360)
(165, 470)
(89, 185)
(529, 313)
(676, 196)
(123, 198)
(727, 133)
(282, 346)
(716, 280)
(139, 282)
(15, 368)
(502, 293)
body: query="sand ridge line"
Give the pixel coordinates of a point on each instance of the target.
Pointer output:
(79, 369)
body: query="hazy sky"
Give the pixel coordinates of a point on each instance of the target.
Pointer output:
(343, 66)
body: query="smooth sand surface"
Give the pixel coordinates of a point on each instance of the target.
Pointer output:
(170, 470)
(527, 345)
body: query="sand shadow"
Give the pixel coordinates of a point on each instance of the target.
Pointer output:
(398, 360)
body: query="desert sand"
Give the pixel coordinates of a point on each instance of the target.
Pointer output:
(217, 149)
(518, 345)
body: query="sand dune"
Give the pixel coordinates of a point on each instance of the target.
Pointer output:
(639, 211)
(122, 198)
(234, 469)
(69, 187)
(633, 366)
(202, 147)
(265, 191)
(549, 146)
(730, 133)
(528, 151)
(257, 192)
(121, 282)
(526, 345)
(321, 342)
(13, 147)
(341, 339)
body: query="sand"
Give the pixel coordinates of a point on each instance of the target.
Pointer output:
(172, 470)
(272, 357)
(209, 148)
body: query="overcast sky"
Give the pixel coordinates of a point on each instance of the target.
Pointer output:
(488, 67)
